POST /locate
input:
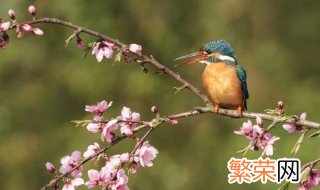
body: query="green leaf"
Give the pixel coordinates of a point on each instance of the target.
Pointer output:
(88, 48)
(117, 58)
(285, 186)
(315, 134)
(296, 147)
(244, 151)
(81, 123)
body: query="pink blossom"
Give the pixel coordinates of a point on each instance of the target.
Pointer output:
(37, 31)
(80, 42)
(99, 108)
(108, 130)
(154, 110)
(71, 184)
(266, 143)
(294, 128)
(4, 26)
(280, 105)
(128, 121)
(135, 48)
(259, 121)
(4, 40)
(134, 167)
(312, 180)
(97, 178)
(121, 182)
(145, 154)
(95, 127)
(50, 167)
(124, 158)
(246, 128)
(26, 27)
(103, 49)
(11, 14)
(91, 150)
(32, 10)
(69, 162)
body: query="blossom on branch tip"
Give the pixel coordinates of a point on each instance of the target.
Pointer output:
(80, 42)
(280, 105)
(71, 184)
(128, 121)
(135, 48)
(37, 31)
(32, 10)
(50, 167)
(108, 131)
(145, 154)
(103, 49)
(91, 150)
(69, 162)
(11, 14)
(4, 26)
(294, 128)
(99, 108)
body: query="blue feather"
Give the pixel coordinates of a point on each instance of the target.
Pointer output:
(242, 75)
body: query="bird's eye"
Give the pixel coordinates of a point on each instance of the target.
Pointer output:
(205, 52)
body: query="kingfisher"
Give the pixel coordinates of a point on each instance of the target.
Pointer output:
(223, 78)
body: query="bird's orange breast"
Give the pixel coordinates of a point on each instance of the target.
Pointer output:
(222, 84)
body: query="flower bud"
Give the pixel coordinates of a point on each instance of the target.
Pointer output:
(127, 59)
(135, 48)
(134, 167)
(4, 40)
(4, 26)
(124, 158)
(37, 31)
(32, 10)
(173, 121)
(11, 14)
(259, 121)
(80, 42)
(50, 168)
(280, 105)
(154, 110)
(26, 27)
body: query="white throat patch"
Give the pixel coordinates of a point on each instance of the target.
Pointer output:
(226, 58)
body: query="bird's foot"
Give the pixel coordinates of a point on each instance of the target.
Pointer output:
(216, 109)
(239, 111)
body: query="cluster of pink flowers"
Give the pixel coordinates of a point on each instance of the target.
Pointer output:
(105, 49)
(312, 180)
(253, 132)
(127, 121)
(112, 174)
(20, 28)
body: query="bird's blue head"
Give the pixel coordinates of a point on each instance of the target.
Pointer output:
(214, 51)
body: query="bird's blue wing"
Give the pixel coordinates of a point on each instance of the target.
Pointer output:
(242, 75)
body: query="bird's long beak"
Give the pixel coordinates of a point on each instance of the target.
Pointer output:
(198, 57)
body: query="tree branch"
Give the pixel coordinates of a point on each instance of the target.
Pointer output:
(123, 46)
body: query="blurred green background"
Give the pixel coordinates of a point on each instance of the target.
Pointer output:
(45, 85)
